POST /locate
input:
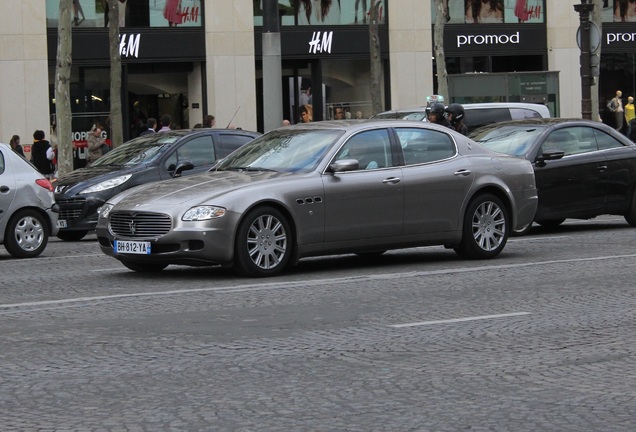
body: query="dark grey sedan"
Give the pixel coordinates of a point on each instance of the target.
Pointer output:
(142, 160)
(325, 188)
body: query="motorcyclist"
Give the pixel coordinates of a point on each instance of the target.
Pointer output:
(436, 115)
(455, 115)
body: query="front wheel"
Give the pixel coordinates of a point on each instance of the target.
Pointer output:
(485, 230)
(263, 243)
(27, 234)
(630, 216)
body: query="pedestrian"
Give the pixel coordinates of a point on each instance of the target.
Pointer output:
(42, 154)
(209, 121)
(306, 113)
(286, 122)
(166, 121)
(151, 126)
(630, 115)
(15, 145)
(455, 115)
(94, 145)
(339, 113)
(436, 115)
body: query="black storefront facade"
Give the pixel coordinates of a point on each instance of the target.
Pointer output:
(156, 64)
(500, 63)
(617, 63)
(337, 57)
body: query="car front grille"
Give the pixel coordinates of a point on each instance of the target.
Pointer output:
(139, 225)
(71, 209)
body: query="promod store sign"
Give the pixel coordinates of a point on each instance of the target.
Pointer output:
(494, 40)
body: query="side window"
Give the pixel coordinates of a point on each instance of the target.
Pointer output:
(2, 163)
(422, 145)
(605, 141)
(474, 118)
(372, 149)
(199, 151)
(523, 113)
(573, 140)
(227, 143)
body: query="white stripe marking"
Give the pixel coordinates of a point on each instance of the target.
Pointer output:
(456, 320)
(260, 286)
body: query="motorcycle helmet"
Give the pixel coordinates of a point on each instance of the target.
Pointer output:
(457, 110)
(437, 109)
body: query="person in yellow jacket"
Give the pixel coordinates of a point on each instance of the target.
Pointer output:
(630, 115)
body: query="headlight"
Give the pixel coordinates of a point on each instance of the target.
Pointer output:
(108, 184)
(104, 210)
(203, 213)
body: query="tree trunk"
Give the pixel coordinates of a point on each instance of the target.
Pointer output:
(376, 59)
(438, 45)
(63, 115)
(116, 121)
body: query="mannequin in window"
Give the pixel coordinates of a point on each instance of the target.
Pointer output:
(615, 106)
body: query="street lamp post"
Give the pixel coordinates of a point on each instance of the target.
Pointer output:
(584, 9)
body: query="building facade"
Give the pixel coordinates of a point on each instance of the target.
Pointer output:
(189, 58)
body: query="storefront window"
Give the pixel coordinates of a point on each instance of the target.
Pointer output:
(321, 12)
(619, 10)
(493, 11)
(132, 13)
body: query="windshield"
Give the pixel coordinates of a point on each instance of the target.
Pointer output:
(512, 140)
(137, 151)
(288, 150)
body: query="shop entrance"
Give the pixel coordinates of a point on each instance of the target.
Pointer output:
(155, 90)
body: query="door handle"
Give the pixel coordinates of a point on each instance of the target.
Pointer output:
(4, 189)
(392, 180)
(462, 172)
(602, 167)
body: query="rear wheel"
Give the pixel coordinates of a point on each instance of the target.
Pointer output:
(71, 235)
(263, 243)
(485, 230)
(144, 267)
(27, 234)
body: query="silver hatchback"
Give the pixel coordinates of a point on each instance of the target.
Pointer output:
(322, 188)
(28, 214)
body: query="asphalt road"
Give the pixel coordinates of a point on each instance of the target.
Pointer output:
(542, 338)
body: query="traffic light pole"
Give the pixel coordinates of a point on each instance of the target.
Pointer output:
(584, 9)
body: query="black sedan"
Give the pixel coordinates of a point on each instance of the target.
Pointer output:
(142, 160)
(583, 168)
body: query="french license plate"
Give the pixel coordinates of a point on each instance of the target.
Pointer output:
(61, 223)
(132, 247)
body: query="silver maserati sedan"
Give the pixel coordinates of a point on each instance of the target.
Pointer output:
(359, 186)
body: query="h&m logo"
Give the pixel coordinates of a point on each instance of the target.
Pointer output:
(129, 45)
(321, 42)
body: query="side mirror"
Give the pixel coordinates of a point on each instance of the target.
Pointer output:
(344, 165)
(183, 166)
(548, 155)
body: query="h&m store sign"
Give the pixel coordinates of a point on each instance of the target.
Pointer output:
(465, 40)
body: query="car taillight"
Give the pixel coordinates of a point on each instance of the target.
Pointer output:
(45, 184)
